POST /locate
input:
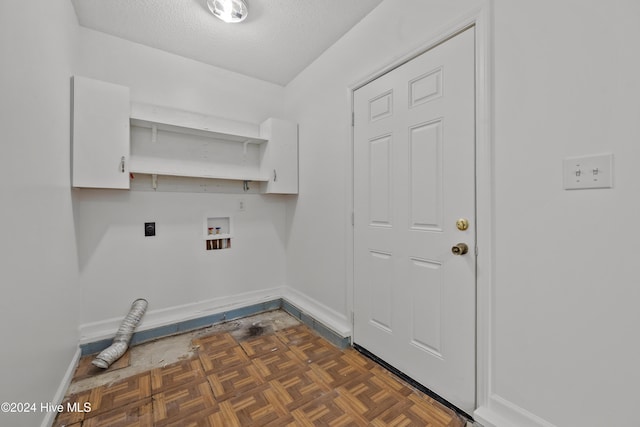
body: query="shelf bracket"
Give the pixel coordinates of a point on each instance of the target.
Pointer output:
(244, 147)
(154, 181)
(245, 186)
(154, 133)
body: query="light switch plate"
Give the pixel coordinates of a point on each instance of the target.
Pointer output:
(588, 172)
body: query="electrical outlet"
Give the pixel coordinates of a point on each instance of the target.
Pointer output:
(149, 229)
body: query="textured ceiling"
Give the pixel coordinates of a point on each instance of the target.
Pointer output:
(278, 39)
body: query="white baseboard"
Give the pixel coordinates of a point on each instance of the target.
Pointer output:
(502, 413)
(96, 331)
(50, 416)
(330, 318)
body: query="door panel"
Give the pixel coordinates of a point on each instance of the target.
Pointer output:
(381, 290)
(414, 176)
(380, 181)
(425, 278)
(425, 179)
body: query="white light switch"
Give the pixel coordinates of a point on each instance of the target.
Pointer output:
(588, 172)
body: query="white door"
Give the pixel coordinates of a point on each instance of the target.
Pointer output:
(414, 177)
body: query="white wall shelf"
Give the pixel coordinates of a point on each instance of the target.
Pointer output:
(162, 141)
(181, 121)
(150, 166)
(171, 142)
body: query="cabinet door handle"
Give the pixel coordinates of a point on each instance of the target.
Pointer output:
(122, 164)
(275, 176)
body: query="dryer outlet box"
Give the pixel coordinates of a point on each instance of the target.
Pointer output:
(149, 229)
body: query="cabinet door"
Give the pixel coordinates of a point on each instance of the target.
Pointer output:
(100, 141)
(280, 156)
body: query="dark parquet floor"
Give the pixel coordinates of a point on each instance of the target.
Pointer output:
(291, 377)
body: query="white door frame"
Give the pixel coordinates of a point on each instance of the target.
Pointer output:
(481, 19)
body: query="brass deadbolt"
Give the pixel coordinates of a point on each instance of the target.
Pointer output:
(462, 224)
(460, 249)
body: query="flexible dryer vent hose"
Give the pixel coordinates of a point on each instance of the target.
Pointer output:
(123, 336)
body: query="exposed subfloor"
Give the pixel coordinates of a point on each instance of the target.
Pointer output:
(263, 370)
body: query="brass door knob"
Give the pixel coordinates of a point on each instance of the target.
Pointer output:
(460, 249)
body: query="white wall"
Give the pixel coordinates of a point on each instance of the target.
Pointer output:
(118, 264)
(565, 294)
(161, 78)
(38, 257)
(566, 317)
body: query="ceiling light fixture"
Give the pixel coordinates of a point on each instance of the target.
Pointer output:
(231, 11)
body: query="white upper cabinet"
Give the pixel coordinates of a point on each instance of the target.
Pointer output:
(100, 135)
(280, 156)
(160, 141)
